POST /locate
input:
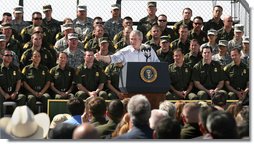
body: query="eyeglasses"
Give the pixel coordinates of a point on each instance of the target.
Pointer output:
(162, 20)
(98, 23)
(198, 23)
(8, 55)
(37, 18)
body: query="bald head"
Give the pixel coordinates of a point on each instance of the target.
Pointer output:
(85, 131)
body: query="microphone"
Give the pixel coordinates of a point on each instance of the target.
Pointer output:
(146, 50)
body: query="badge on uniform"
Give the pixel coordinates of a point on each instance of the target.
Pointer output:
(97, 74)
(215, 70)
(69, 74)
(14, 73)
(43, 73)
(244, 71)
(46, 56)
(186, 70)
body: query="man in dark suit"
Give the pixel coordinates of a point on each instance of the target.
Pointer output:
(139, 110)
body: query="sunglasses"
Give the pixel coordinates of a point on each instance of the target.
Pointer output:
(162, 20)
(37, 18)
(9, 55)
(198, 23)
(98, 22)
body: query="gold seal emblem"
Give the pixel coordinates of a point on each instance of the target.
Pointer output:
(148, 74)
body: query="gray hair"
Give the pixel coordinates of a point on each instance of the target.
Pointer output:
(169, 107)
(139, 109)
(156, 116)
(138, 33)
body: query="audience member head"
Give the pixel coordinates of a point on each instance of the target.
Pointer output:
(169, 107)
(123, 126)
(203, 114)
(125, 103)
(76, 106)
(179, 108)
(219, 99)
(59, 118)
(190, 112)
(242, 121)
(234, 108)
(139, 109)
(156, 116)
(167, 128)
(25, 125)
(97, 107)
(62, 131)
(115, 110)
(85, 131)
(221, 125)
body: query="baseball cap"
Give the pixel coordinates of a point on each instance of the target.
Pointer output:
(153, 4)
(212, 32)
(164, 39)
(103, 39)
(2, 37)
(82, 8)
(223, 43)
(18, 9)
(72, 36)
(246, 40)
(67, 26)
(46, 8)
(115, 6)
(238, 28)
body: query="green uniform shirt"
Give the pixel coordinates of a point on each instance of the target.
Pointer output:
(9, 77)
(36, 78)
(180, 76)
(178, 24)
(89, 78)
(191, 60)
(201, 37)
(153, 44)
(121, 44)
(178, 44)
(14, 46)
(223, 35)
(212, 24)
(112, 72)
(62, 79)
(46, 58)
(209, 75)
(238, 76)
(165, 57)
(144, 24)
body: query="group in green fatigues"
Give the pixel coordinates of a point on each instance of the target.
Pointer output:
(10, 77)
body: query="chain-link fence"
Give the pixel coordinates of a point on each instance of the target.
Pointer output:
(134, 8)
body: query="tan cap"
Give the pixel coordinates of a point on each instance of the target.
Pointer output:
(103, 40)
(238, 28)
(212, 32)
(2, 37)
(82, 8)
(115, 6)
(46, 8)
(246, 40)
(67, 26)
(18, 9)
(151, 4)
(165, 39)
(6, 25)
(223, 43)
(72, 36)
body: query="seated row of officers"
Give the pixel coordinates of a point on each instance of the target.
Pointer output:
(37, 83)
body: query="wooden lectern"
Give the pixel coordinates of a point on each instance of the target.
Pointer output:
(148, 78)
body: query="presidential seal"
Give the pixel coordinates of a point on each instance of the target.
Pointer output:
(148, 74)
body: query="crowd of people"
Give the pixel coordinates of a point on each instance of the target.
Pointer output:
(83, 58)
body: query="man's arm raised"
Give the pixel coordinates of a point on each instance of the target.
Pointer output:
(99, 57)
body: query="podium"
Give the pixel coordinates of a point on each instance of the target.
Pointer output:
(148, 78)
